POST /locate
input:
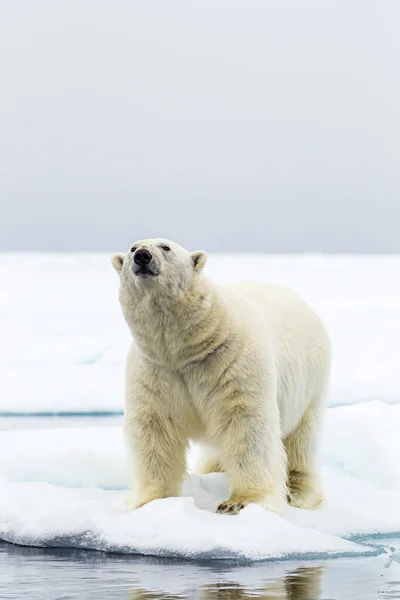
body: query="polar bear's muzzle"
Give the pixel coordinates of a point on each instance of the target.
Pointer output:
(143, 264)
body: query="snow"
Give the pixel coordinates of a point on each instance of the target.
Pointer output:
(62, 350)
(64, 341)
(65, 487)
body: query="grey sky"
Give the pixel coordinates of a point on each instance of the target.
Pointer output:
(232, 126)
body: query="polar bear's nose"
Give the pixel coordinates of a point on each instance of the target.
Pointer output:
(142, 257)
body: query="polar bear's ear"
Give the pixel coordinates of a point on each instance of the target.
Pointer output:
(199, 259)
(117, 261)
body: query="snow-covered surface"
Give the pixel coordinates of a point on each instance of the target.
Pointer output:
(63, 339)
(62, 348)
(65, 487)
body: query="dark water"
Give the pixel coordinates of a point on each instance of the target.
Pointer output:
(47, 574)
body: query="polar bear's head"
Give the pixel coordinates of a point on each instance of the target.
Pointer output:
(158, 262)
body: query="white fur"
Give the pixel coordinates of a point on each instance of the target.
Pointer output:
(241, 368)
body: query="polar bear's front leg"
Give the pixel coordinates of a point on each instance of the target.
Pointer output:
(158, 459)
(253, 457)
(156, 447)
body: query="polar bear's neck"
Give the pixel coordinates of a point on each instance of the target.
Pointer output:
(180, 330)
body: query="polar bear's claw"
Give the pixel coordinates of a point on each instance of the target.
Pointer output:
(230, 508)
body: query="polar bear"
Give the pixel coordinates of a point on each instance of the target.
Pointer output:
(241, 368)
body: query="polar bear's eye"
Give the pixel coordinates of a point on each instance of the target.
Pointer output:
(134, 248)
(165, 248)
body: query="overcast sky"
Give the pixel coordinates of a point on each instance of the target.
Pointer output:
(264, 126)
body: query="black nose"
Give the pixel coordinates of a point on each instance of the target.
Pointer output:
(142, 257)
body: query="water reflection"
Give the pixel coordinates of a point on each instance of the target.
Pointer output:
(304, 583)
(62, 574)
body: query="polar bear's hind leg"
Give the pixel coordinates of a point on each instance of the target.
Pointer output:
(302, 449)
(209, 461)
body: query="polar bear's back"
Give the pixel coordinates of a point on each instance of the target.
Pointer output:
(278, 306)
(298, 339)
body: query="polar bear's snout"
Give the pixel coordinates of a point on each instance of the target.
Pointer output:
(144, 264)
(142, 257)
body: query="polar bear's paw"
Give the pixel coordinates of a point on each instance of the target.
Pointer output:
(234, 505)
(131, 502)
(304, 490)
(307, 500)
(230, 507)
